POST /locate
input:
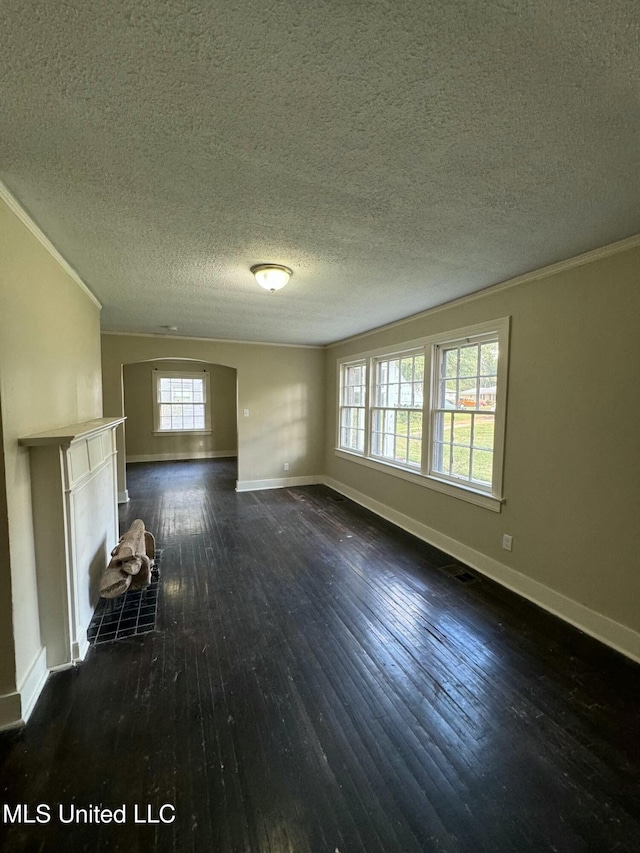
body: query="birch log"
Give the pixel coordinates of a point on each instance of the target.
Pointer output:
(130, 564)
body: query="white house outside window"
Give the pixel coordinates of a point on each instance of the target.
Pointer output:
(182, 402)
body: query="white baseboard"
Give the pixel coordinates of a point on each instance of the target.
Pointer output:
(16, 708)
(32, 684)
(279, 483)
(604, 629)
(10, 711)
(61, 667)
(123, 497)
(79, 650)
(182, 457)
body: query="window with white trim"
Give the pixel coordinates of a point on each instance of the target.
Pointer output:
(397, 410)
(432, 411)
(181, 402)
(353, 386)
(463, 410)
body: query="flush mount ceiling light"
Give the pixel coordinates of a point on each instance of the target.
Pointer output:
(271, 276)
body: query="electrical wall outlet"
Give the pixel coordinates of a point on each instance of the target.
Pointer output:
(507, 542)
(285, 466)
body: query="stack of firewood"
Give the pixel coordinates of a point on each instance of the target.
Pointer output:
(131, 562)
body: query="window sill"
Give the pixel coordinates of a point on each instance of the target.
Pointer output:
(182, 432)
(463, 493)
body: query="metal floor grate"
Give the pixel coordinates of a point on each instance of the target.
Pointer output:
(129, 614)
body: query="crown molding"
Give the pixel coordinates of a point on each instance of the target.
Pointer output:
(15, 207)
(589, 257)
(210, 340)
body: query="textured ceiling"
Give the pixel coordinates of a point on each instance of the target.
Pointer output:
(395, 153)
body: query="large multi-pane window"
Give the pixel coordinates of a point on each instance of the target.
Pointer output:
(464, 410)
(397, 411)
(352, 406)
(182, 403)
(436, 409)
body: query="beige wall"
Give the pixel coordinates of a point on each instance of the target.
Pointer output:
(49, 376)
(7, 648)
(282, 387)
(572, 446)
(139, 404)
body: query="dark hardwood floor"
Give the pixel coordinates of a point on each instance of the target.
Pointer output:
(321, 681)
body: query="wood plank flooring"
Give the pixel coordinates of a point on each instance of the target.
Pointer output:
(320, 681)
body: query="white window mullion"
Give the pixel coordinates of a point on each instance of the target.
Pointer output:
(368, 415)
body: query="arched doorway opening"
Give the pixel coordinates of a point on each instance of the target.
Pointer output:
(178, 409)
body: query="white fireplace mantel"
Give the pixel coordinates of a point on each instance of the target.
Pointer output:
(75, 513)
